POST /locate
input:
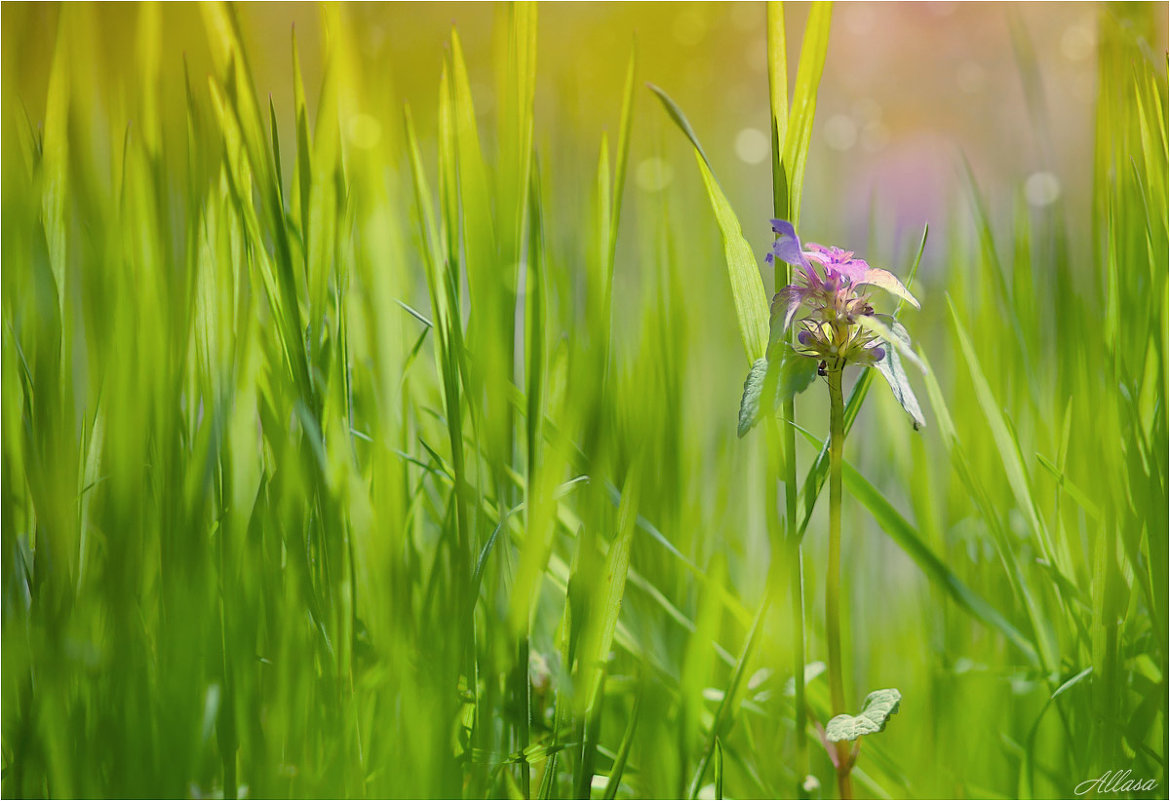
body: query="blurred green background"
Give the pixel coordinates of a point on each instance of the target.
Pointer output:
(328, 429)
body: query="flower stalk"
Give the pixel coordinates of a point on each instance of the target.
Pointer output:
(822, 322)
(796, 585)
(843, 760)
(795, 576)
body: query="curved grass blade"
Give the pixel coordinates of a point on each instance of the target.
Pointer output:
(680, 120)
(1005, 440)
(747, 288)
(598, 637)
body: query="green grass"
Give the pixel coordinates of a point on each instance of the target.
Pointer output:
(411, 470)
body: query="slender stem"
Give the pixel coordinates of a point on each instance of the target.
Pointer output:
(796, 588)
(522, 696)
(778, 101)
(833, 582)
(844, 781)
(784, 537)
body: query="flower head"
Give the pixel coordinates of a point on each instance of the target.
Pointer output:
(838, 327)
(830, 287)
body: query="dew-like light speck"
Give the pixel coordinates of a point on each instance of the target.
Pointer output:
(840, 132)
(1076, 43)
(1042, 188)
(751, 145)
(653, 174)
(364, 131)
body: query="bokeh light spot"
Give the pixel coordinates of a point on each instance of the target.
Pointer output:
(1042, 188)
(866, 109)
(751, 145)
(364, 131)
(840, 132)
(653, 174)
(1077, 42)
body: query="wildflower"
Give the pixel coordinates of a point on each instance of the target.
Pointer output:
(838, 327)
(835, 300)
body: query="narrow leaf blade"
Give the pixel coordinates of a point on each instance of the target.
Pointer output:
(747, 288)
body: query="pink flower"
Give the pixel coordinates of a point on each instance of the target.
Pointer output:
(828, 287)
(839, 327)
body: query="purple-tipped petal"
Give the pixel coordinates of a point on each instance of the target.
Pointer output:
(854, 270)
(787, 246)
(837, 263)
(804, 338)
(878, 353)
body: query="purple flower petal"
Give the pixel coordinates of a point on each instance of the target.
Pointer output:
(787, 246)
(837, 263)
(854, 270)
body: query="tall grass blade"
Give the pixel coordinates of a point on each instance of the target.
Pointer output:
(747, 289)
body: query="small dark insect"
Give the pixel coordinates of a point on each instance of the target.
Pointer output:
(821, 367)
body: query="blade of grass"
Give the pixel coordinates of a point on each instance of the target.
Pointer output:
(778, 102)
(747, 289)
(813, 50)
(619, 764)
(599, 635)
(1006, 443)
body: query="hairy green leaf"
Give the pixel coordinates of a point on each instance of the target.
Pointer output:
(780, 379)
(893, 333)
(753, 388)
(890, 366)
(875, 713)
